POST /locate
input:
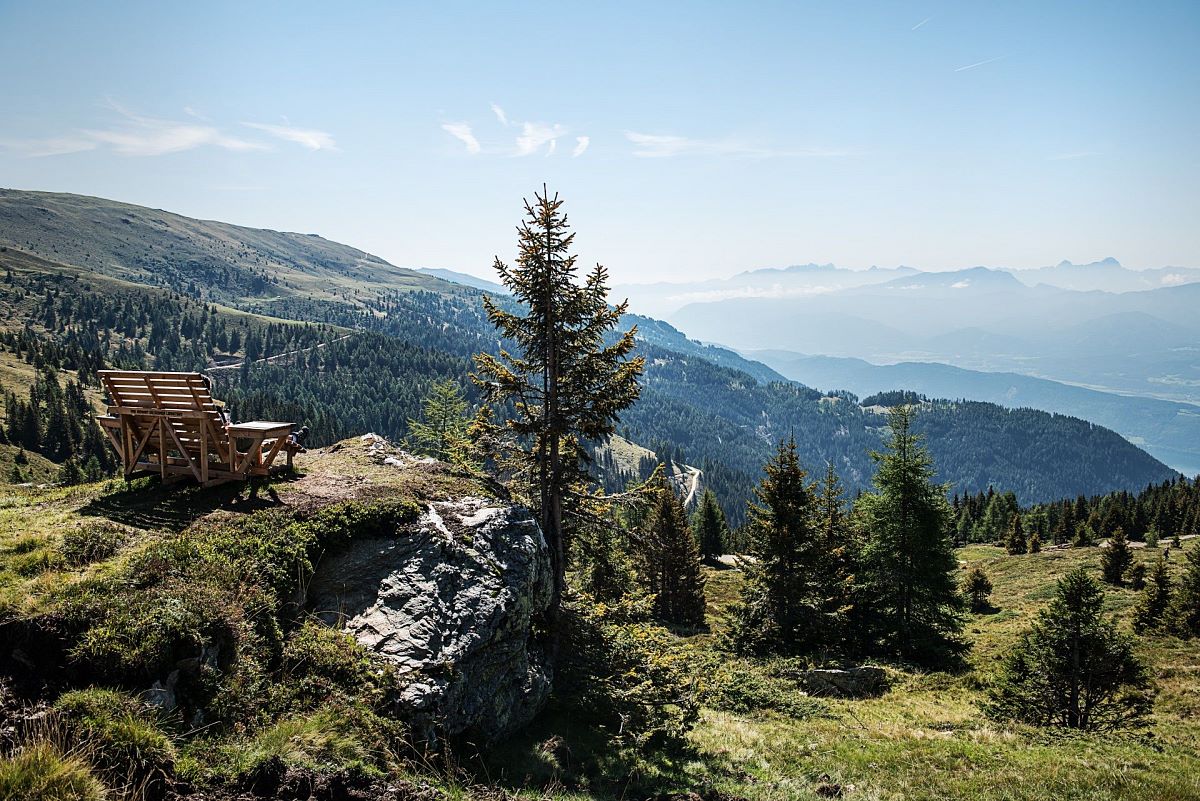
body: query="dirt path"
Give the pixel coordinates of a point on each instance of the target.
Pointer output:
(318, 346)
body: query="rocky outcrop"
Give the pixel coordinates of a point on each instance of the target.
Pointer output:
(451, 603)
(856, 682)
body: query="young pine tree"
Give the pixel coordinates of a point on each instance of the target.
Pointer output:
(1155, 600)
(565, 384)
(1014, 541)
(1184, 615)
(442, 430)
(841, 548)
(711, 528)
(907, 566)
(671, 562)
(1073, 668)
(1035, 542)
(1115, 559)
(784, 606)
(1136, 576)
(977, 587)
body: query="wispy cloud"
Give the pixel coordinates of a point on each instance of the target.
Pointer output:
(533, 137)
(306, 137)
(141, 135)
(921, 24)
(536, 134)
(135, 134)
(966, 67)
(669, 146)
(462, 132)
(51, 146)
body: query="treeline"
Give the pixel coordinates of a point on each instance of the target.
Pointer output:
(1160, 511)
(56, 422)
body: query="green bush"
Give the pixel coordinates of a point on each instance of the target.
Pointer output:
(335, 739)
(128, 747)
(630, 680)
(92, 541)
(742, 687)
(320, 665)
(40, 772)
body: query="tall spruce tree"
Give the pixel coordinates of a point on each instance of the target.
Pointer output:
(907, 568)
(1014, 541)
(712, 530)
(671, 562)
(1115, 558)
(784, 606)
(566, 386)
(1073, 668)
(1184, 615)
(1155, 600)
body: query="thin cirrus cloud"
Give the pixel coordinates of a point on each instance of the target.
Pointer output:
(534, 137)
(136, 134)
(462, 132)
(660, 146)
(966, 67)
(305, 137)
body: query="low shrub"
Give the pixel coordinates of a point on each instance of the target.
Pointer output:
(321, 665)
(127, 747)
(41, 772)
(92, 541)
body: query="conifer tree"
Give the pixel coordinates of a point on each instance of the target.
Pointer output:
(1115, 559)
(442, 430)
(712, 530)
(1155, 600)
(671, 561)
(1185, 605)
(1073, 668)
(1014, 542)
(1136, 575)
(784, 607)
(1035, 542)
(977, 587)
(841, 549)
(565, 385)
(908, 565)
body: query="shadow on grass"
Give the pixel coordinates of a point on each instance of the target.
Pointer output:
(559, 751)
(148, 504)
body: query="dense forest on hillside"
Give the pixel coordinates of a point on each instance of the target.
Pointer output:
(1161, 510)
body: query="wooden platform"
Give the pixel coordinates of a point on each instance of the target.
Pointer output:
(169, 424)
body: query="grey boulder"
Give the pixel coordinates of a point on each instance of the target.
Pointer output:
(452, 602)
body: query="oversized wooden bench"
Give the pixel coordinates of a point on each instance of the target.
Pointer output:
(169, 424)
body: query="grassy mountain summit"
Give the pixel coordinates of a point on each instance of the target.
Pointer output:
(202, 258)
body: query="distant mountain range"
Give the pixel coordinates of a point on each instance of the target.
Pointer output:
(1168, 430)
(1144, 342)
(1108, 275)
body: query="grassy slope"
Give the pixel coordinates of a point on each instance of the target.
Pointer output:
(925, 739)
(928, 738)
(156, 247)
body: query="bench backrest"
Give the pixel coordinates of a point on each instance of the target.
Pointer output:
(182, 400)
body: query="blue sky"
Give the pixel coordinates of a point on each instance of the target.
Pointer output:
(689, 139)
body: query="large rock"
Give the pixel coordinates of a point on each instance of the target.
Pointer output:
(856, 682)
(451, 603)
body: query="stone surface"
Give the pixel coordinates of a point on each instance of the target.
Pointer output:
(854, 682)
(451, 602)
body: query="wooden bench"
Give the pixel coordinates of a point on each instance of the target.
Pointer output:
(169, 424)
